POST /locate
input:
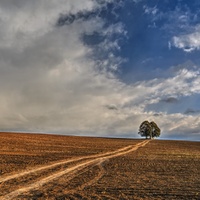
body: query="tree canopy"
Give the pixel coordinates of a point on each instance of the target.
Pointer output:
(149, 129)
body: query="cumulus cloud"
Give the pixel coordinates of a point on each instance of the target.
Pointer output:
(188, 42)
(48, 80)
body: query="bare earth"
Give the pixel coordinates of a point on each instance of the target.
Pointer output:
(36, 166)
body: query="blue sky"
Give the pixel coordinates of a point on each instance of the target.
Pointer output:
(100, 67)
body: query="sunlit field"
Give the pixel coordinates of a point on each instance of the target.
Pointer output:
(36, 166)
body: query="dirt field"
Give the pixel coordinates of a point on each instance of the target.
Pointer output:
(34, 166)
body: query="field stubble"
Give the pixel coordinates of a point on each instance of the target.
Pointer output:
(66, 167)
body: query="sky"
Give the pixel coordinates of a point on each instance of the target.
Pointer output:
(100, 67)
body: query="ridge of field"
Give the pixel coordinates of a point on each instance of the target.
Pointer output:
(157, 170)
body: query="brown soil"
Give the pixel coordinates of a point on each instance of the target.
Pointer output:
(36, 166)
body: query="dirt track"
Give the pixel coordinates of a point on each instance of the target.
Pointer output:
(73, 171)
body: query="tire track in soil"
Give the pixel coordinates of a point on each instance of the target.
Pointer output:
(34, 170)
(92, 181)
(69, 171)
(99, 175)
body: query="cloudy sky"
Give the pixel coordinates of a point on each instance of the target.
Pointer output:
(100, 67)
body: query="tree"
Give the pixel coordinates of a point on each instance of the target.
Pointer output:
(145, 129)
(155, 129)
(150, 130)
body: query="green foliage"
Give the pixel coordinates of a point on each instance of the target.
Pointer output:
(150, 130)
(145, 129)
(155, 129)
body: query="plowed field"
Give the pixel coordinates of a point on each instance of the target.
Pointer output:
(36, 166)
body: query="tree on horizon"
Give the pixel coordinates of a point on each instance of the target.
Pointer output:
(149, 129)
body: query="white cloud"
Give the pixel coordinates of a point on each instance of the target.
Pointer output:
(188, 42)
(183, 83)
(48, 81)
(150, 10)
(24, 21)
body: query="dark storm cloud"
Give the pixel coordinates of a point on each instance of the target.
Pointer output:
(158, 114)
(169, 100)
(111, 107)
(67, 19)
(191, 111)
